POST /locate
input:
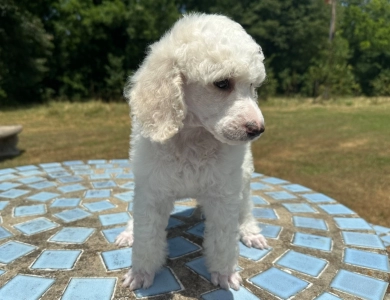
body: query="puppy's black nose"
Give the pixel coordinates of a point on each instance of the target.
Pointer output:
(253, 130)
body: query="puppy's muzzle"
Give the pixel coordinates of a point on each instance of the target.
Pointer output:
(253, 130)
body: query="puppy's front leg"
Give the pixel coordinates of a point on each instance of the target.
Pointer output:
(150, 247)
(221, 241)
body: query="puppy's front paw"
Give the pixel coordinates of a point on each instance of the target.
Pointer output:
(137, 279)
(124, 239)
(255, 240)
(232, 280)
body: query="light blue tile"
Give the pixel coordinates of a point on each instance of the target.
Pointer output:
(70, 179)
(270, 231)
(73, 163)
(367, 259)
(4, 233)
(257, 186)
(318, 198)
(117, 259)
(30, 210)
(2, 272)
(66, 202)
(197, 230)
(119, 161)
(95, 288)
(352, 224)
(126, 196)
(336, 209)
(257, 200)
(104, 184)
(198, 265)
(58, 173)
(125, 176)
(27, 168)
(296, 188)
(83, 172)
(312, 241)
(164, 282)
(362, 240)
(13, 193)
(8, 177)
(327, 296)
(128, 185)
(180, 246)
(130, 206)
(302, 263)
(57, 259)
(16, 288)
(280, 195)
(99, 206)
(31, 173)
(104, 166)
(71, 188)
(359, 285)
(274, 180)
(279, 283)
(50, 165)
(256, 175)
(13, 250)
(72, 235)
(30, 180)
(299, 208)
(35, 226)
(43, 196)
(80, 167)
(264, 213)
(42, 185)
(8, 185)
(386, 239)
(182, 211)
(7, 171)
(114, 171)
(114, 219)
(380, 229)
(241, 294)
(72, 215)
(252, 253)
(99, 176)
(3, 204)
(172, 222)
(112, 233)
(97, 194)
(97, 161)
(312, 223)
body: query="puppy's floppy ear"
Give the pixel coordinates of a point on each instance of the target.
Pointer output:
(155, 94)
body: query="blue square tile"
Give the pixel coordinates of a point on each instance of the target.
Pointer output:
(29, 210)
(336, 209)
(8, 177)
(182, 211)
(27, 168)
(367, 259)
(311, 223)
(257, 186)
(352, 224)
(30, 180)
(164, 282)
(327, 296)
(50, 165)
(95, 288)
(66, 202)
(114, 219)
(35, 226)
(4, 233)
(256, 175)
(386, 239)
(13, 250)
(99, 176)
(257, 200)
(114, 171)
(104, 166)
(72, 215)
(3, 204)
(380, 229)
(125, 176)
(252, 253)
(73, 163)
(197, 230)
(8, 185)
(31, 173)
(299, 208)
(296, 188)
(279, 283)
(117, 259)
(130, 206)
(72, 188)
(80, 167)
(97, 161)
(112, 233)
(99, 206)
(128, 185)
(241, 294)
(198, 265)
(270, 231)
(318, 198)
(126, 196)
(312, 241)
(83, 172)
(120, 161)
(264, 213)
(42, 185)
(98, 194)
(7, 171)
(18, 286)
(103, 184)
(359, 285)
(180, 246)
(362, 240)
(280, 195)
(72, 235)
(274, 180)
(43, 196)
(302, 263)
(57, 260)
(70, 179)
(58, 173)
(172, 222)
(13, 193)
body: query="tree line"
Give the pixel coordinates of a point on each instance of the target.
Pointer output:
(82, 49)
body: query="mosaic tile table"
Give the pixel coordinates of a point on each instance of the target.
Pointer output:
(59, 221)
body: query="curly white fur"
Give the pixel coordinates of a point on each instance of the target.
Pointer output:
(194, 111)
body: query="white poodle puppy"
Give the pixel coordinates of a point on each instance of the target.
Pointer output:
(194, 112)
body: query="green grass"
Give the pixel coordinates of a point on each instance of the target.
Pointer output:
(340, 148)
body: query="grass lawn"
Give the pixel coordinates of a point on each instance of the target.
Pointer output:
(341, 149)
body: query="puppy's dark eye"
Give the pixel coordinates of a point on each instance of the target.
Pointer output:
(223, 84)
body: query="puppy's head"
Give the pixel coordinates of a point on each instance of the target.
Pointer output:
(206, 65)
